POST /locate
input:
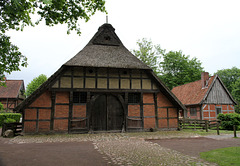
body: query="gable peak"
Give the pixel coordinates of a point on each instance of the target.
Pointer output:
(106, 36)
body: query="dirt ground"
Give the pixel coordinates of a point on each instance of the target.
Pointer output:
(82, 153)
(193, 146)
(49, 154)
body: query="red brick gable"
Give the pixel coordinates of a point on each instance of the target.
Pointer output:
(192, 93)
(12, 89)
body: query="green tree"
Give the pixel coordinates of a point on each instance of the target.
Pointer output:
(236, 93)
(11, 59)
(35, 83)
(173, 68)
(178, 69)
(229, 77)
(16, 14)
(148, 53)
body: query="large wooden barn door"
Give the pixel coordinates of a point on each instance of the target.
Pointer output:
(99, 113)
(115, 113)
(107, 113)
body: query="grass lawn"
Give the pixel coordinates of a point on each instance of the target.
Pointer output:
(210, 132)
(223, 157)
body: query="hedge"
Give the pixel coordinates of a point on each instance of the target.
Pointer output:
(5, 116)
(228, 120)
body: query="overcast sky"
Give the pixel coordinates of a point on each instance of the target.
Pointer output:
(208, 30)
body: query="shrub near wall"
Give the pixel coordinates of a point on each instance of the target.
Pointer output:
(228, 120)
(5, 116)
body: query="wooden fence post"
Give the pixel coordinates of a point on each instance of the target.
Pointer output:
(206, 125)
(194, 124)
(218, 128)
(179, 125)
(234, 131)
(183, 124)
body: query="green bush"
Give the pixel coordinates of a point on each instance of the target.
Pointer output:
(5, 116)
(9, 120)
(1, 108)
(228, 120)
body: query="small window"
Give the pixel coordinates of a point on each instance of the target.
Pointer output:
(79, 97)
(218, 110)
(193, 111)
(134, 97)
(107, 38)
(90, 71)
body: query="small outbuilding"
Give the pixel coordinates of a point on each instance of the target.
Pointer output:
(205, 98)
(12, 94)
(102, 88)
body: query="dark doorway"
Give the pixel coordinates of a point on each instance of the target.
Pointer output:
(107, 113)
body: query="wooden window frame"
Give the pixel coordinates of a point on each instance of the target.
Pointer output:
(193, 111)
(134, 98)
(79, 97)
(217, 112)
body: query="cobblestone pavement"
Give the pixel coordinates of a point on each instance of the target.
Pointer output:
(124, 149)
(140, 152)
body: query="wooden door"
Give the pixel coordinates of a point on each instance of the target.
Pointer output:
(107, 113)
(99, 113)
(115, 113)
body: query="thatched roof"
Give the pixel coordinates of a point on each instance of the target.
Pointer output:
(105, 49)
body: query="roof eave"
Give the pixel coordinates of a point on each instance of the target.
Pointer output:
(182, 106)
(26, 102)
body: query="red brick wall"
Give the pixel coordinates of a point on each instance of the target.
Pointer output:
(61, 124)
(149, 111)
(198, 116)
(44, 114)
(162, 123)
(162, 101)
(162, 112)
(79, 111)
(62, 97)
(172, 113)
(170, 121)
(30, 114)
(209, 111)
(42, 101)
(61, 111)
(29, 127)
(173, 123)
(148, 98)
(149, 123)
(43, 126)
(134, 110)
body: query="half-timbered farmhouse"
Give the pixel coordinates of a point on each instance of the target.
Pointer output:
(205, 98)
(12, 94)
(103, 88)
